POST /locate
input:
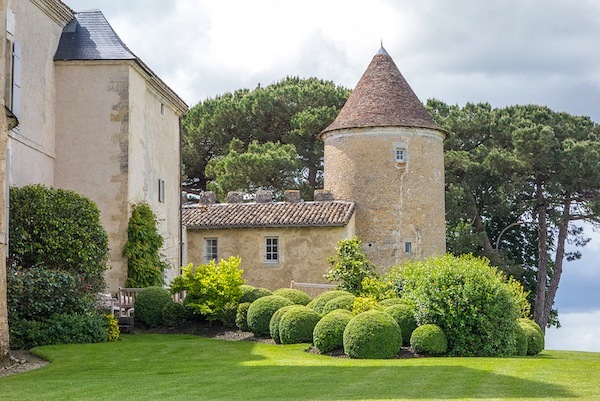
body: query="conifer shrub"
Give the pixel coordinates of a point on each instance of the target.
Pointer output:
(297, 325)
(534, 334)
(429, 339)
(251, 293)
(521, 341)
(372, 335)
(404, 314)
(241, 317)
(328, 334)
(261, 311)
(174, 314)
(296, 296)
(111, 326)
(321, 300)
(341, 302)
(274, 323)
(149, 305)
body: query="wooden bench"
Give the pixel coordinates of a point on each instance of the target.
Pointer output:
(312, 289)
(127, 296)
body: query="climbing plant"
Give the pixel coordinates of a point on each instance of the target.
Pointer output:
(145, 266)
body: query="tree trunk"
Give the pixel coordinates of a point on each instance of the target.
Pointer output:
(563, 232)
(542, 273)
(312, 177)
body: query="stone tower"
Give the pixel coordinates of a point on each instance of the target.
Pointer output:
(385, 153)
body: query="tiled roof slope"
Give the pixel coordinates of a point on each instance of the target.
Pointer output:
(243, 215)
(89, 36)
(382, 98)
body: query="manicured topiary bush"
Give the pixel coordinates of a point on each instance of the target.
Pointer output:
(341, 302)
(274, 323)
(296, 296)
(297, 325)
(535, 336)
(429, 339)
(241, 317)
(328, 334)
(404, 314)
(473, 303)
(251, 293)
(149, 305)
(261, 311)
(393, 301)
(321, 300)
(521, 341)
(173, 314)
(372, 334)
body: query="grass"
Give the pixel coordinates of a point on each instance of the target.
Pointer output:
(184, 367)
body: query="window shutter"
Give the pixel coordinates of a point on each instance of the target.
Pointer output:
(16, 87)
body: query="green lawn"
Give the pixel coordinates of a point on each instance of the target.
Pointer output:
(184, 367)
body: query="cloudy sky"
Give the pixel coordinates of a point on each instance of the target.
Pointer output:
(503, 52)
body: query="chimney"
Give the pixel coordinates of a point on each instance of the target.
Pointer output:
(264, 196)
(323, 195)
(207, 198)
(291, 196)
(235, 197)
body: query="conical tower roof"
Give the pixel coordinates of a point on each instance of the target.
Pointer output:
(382, 98)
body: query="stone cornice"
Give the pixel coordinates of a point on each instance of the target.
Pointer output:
(58, 11)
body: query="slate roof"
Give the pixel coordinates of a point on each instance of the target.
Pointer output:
(382, 98)
(279, 214)
(89, 36)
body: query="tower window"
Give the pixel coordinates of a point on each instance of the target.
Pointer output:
(408, 247)
(161, 190)
(400, 154)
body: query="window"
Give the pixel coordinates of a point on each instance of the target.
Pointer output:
(161, 190)
(210, 249)
(162, 109)
(408, 247)
(400, 154)
(272, 249)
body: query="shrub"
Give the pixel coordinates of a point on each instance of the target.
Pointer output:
(274, 322)
(296, 296)
(173, 314)
(261, 311)
(363, 304)
(321, 300)
(473, 303)
(144, 264)
(149, 305)
(213, 289)
(534, 335)
(372, 334)
(341, 302)
(521, 341)
(241, 317)
(328, 334)
(350, 266)
(59, 329)
(60, 230)
(393, 301)
(429, 339)
(297, 325)
(251, 294)
(379, 288)
(404, 314)
(111, 326)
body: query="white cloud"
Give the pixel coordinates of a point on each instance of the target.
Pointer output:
(579, 332)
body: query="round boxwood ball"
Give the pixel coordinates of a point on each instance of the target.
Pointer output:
(261, 311)
(296, 296)
(535, 336)
(149, 304)
(521, 341)
(251, 294)
(174, 314)
(393, 301)
(274, 323)
(372, 334)
(297, 325)
(241, 317)
(429, 339)
(321, 300)
(404, 314)
(341, 302)
(328, 334)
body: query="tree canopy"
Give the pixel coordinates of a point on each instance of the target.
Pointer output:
(518, 180)
(290, 112)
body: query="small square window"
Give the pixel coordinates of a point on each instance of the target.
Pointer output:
(210, 249)
(161, 190)
(272, 250)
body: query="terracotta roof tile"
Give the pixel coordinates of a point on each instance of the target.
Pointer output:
(382, 98)
(242, 215)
